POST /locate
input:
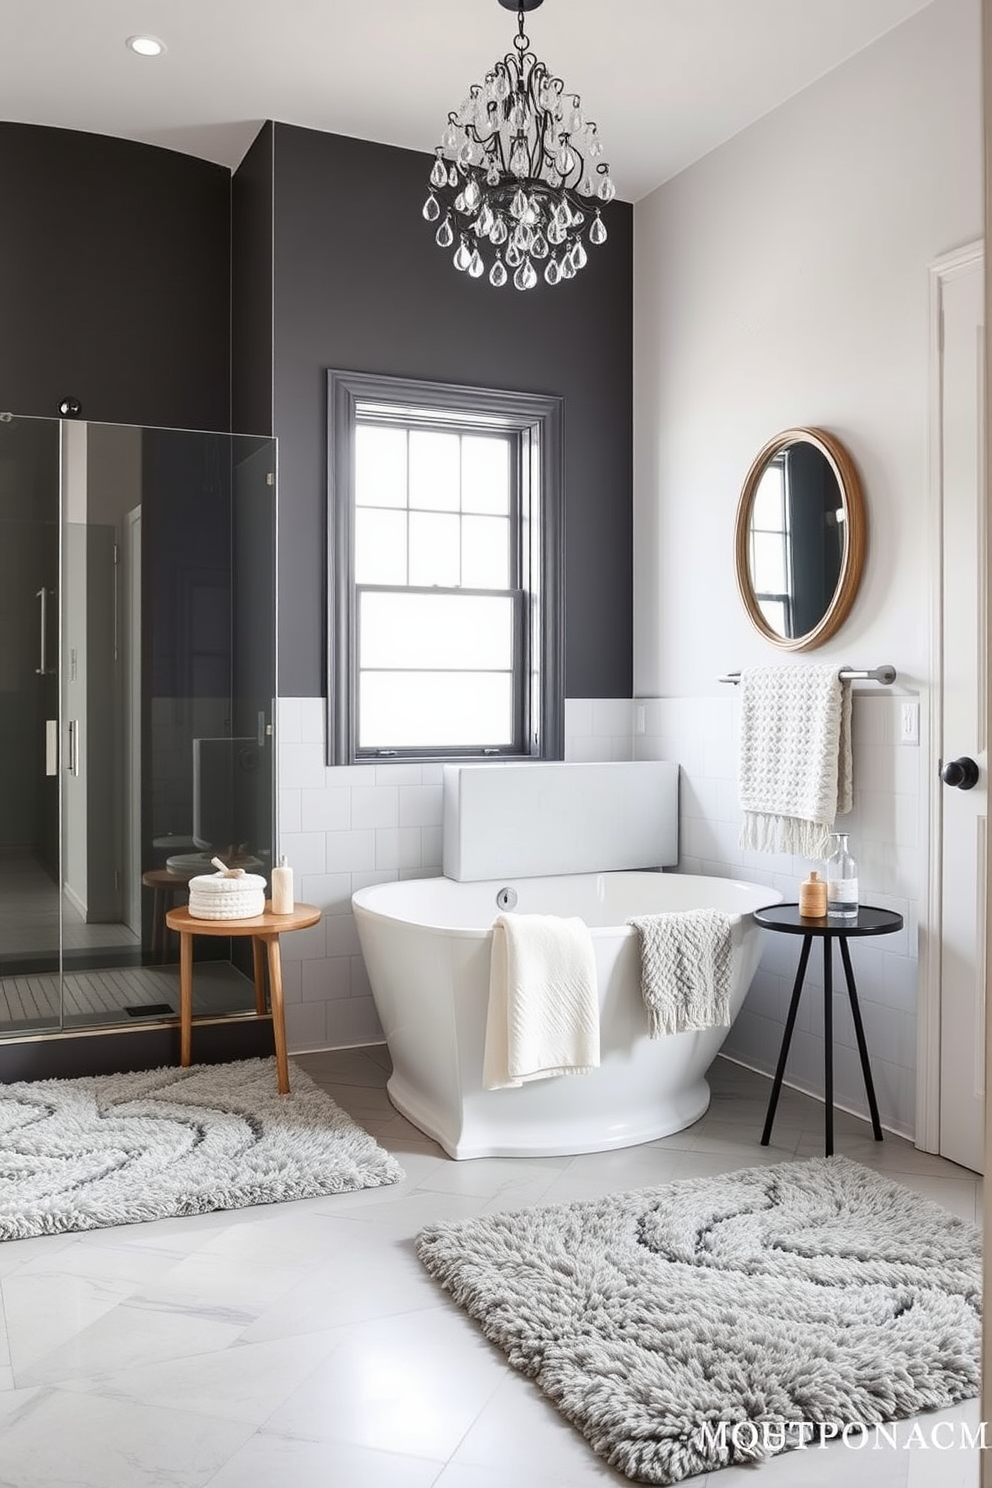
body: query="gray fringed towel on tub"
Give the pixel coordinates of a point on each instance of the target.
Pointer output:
(795, 757)
(686, 969)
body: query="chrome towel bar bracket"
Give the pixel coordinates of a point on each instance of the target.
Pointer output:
(884, 674)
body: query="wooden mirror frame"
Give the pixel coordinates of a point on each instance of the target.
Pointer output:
(852, 563)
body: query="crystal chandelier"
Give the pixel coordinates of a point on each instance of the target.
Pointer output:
(517, 182)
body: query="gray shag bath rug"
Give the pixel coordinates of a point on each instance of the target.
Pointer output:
(801, 1295)
(116, 1149)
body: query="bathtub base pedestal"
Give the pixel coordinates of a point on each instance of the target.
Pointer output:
(469, 1133)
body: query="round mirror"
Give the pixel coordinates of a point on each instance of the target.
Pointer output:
(800, 539)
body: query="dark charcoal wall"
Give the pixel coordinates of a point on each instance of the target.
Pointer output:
(361, 285)
(114, 279)
(251, 288)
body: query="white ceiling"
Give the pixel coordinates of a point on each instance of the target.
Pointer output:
(666, 80)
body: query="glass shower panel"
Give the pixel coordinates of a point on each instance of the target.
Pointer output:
(209, 648)
(30, 935)
(137, 678)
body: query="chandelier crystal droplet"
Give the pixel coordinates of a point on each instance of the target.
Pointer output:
(519, 176)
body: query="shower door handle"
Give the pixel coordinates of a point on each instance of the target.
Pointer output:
(42, 597)
(72, 765)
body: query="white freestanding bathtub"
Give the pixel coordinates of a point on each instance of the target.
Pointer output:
(426, 944)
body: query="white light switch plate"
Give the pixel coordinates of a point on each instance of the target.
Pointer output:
(909, 723)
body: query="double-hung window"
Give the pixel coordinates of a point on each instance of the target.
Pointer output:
(445, 571)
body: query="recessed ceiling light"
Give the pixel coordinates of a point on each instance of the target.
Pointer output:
(146, 46)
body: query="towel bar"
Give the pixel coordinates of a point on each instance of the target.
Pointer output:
(884, 674)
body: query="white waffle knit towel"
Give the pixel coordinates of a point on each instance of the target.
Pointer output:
(543, 1015)
(686, 969)
(795, 757)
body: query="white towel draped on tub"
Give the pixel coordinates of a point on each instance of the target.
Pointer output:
(686, 969)
(795, 757)
(543, 1016)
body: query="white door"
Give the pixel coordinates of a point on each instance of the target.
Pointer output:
(960, 796)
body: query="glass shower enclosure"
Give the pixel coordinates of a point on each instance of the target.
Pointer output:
(137, 683)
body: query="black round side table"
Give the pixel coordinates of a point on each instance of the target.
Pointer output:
(786, 919)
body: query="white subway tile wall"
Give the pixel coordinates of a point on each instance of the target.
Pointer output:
(884, 826)
(344, 827)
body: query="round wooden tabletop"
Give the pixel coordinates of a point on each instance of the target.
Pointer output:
(266, 923)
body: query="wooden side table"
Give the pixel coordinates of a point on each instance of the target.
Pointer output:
(786, 919)
(264, 930)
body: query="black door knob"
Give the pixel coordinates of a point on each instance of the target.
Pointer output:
(962, 773)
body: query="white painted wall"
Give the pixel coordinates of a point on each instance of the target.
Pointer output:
(780, 281)
(783, 280)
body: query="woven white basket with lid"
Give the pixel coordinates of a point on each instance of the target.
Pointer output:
(228, 895)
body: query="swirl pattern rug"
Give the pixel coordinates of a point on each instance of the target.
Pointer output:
(814, 1294)
(116, 1149)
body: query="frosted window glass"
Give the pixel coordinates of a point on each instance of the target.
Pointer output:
(469, 631)
(434, 549)
(435, 470)
(380, 466)
(380, 546)
(443, 710)
(485, 552)
(485, 475)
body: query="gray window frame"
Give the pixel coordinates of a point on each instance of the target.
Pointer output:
(536, 420)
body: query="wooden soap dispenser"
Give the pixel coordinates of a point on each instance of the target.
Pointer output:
(813, 897)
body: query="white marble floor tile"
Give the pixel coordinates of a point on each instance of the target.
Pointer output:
(522, 1431)
(593, 1474)
(245, 1382)
(135, 1332)
(270, 1459)
(17, 1253)
(411, 1384)
(45, 1310)
(369, 1272)
(61, 1440)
